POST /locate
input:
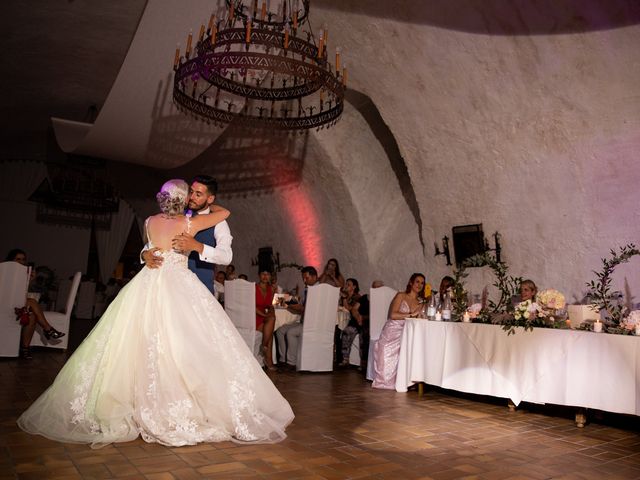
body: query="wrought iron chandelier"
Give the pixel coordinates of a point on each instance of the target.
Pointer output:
(260, 69)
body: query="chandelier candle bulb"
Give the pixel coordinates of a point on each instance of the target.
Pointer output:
(295, 19)
(214, 32)
(338, 49)
(320, 45)
(344, 76)
(189, 40)
(231, 11)
(212, 21)
(248, 36)
(201, 34)
(176, 60)
(286, 36)
(263, 13)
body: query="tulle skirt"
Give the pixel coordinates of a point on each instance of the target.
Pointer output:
(166, 363)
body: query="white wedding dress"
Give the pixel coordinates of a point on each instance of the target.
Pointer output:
(164, 362)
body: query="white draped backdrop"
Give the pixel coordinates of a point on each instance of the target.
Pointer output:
(20, 179)
(111, 242)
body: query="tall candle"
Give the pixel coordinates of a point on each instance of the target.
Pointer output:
(189, 40)
(320, 45)
(248, 35)
(177, 59)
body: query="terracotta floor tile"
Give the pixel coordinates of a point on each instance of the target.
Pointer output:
(343, 429)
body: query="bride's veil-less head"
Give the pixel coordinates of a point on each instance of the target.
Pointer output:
(173, 196)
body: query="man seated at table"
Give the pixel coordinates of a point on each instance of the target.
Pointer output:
(288, 336)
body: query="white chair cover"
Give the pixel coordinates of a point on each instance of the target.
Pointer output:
(86, 300)
(380, 299)
(354, 353)
(240, 305)
(59, 320)
(14, 281)
(315, 350)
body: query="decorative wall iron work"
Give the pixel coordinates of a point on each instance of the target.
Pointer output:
(251, 68)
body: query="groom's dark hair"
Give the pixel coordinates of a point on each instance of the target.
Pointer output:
(207, 181)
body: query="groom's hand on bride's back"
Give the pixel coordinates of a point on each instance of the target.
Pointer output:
(150, 259)
(186, 243)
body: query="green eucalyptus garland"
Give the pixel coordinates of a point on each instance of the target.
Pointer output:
(600, 290)
(506, 284)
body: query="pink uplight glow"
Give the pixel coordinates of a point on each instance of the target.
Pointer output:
(304, 221)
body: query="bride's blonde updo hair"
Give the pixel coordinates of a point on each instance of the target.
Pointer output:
(172, 197)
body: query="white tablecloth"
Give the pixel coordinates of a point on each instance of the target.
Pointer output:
(563, 367)
(284, 316)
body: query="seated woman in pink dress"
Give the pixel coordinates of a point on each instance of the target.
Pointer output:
(387, 348)
(265, 316)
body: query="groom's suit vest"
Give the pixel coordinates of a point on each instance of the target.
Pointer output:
(204, 271)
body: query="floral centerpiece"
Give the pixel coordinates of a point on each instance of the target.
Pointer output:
(630, 322)
(544, 312)
(550, 300)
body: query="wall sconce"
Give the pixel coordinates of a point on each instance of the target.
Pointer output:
(497, 248)
(445, 249)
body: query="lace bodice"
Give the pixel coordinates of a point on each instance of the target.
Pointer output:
(173, 258)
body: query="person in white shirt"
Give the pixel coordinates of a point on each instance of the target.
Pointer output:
(208, 247)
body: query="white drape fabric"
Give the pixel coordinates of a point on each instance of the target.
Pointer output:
(20, 178)
(315, 350)
(111, 242)
(14, 279)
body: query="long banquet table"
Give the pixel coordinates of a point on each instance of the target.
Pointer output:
(562, 367)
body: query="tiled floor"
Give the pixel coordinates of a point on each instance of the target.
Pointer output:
(343, 429)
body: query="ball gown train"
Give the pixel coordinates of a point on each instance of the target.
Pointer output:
(166, 363)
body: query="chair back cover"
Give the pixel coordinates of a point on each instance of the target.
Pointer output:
(61, 321)
(315, 350)
(380, 299)
(240, 305)
(64, 287)
(14, 282)
(86, 300)
(73, 291)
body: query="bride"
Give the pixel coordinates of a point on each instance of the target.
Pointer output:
(164, 361)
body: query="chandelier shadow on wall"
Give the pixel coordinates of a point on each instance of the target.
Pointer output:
(260, 69)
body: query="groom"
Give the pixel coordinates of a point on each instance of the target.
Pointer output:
(208, 247)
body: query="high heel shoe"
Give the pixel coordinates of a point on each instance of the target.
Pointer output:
(53, 333)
